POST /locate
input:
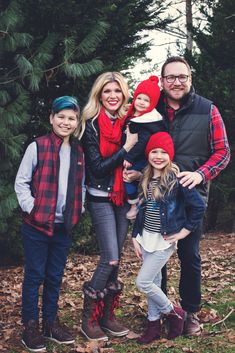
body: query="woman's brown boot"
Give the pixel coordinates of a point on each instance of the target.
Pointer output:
(109, 322)
(92, 313)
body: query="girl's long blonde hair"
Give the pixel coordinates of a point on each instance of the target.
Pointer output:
(93, 106)
(167, 181)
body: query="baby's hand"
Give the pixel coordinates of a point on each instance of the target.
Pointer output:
(126, 164)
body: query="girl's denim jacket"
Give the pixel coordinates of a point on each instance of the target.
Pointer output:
(181, 208)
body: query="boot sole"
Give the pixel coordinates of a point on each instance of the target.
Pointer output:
(59, 342)
(104, 338)
(33, 349)
(115, 334)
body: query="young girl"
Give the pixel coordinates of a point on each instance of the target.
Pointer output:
(143, 119)
(168, 212)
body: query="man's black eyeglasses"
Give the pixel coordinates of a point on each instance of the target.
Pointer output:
(172, 78)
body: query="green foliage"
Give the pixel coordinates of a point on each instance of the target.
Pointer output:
(84, 240)
(214, 72)
(48, 50)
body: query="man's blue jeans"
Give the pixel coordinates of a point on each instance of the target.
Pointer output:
(190, 275)
(45, 259)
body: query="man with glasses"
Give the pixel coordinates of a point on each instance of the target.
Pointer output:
(201, 152)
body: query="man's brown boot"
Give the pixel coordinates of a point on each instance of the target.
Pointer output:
(92, 312)
(109, 322)
(192, 325)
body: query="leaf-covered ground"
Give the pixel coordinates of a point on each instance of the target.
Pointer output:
(217, 314)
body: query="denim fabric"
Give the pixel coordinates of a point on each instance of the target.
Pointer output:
(111, 226)
(190, 275)
(132, 188)
(183, 207)
(149, 281)
(45, 259)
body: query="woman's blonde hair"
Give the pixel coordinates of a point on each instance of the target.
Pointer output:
(93, 106)
(167, 181)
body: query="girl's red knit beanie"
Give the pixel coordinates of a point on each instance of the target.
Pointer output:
(160, 140)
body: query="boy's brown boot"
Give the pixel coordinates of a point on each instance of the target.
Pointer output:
(57, 332)
(92, 313)
(153, 332)
(175, 320)
(109, 322)
(32, 338)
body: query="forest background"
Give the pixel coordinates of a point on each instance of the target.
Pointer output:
(48, 49)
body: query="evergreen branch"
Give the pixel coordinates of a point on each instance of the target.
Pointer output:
(83, 70)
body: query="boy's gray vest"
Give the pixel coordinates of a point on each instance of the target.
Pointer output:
(189, 130)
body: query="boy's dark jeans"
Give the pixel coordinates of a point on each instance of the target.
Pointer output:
(45, 259)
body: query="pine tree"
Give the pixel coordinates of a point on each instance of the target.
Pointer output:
(49, 49)
(214, 76)
(24, 63)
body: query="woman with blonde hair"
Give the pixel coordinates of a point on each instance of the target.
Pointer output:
(101, 132)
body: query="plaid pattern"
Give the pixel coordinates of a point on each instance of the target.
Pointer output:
(218, 142)
(44, 185)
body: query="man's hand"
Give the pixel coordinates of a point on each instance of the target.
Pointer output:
(190, 179)
(137, 249)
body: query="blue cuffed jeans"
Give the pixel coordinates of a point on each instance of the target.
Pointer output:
(149, 281)
(111, 226)
(45, 259)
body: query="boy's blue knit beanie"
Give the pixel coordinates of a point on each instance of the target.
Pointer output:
(65, 102)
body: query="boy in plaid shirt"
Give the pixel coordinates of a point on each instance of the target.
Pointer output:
(49, 191)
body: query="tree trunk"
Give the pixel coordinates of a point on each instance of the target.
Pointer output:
(189, 23)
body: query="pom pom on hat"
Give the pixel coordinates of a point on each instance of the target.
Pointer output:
(151, 89)
(160, 140)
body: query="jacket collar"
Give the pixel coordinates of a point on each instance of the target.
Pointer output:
(186, 102)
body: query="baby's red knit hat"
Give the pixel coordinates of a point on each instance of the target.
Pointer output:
(151, 89)
(160, 140)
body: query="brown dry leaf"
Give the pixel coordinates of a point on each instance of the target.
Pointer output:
(188, 350)
(80, 349)
(208, 315)
(132, 335)
(107, 350)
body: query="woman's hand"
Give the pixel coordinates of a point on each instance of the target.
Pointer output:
(131, 140)
(137, 249)
(177, 236)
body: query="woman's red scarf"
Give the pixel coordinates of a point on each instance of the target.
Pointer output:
(110, 142)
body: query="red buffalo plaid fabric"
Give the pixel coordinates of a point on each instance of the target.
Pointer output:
(44, 185)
